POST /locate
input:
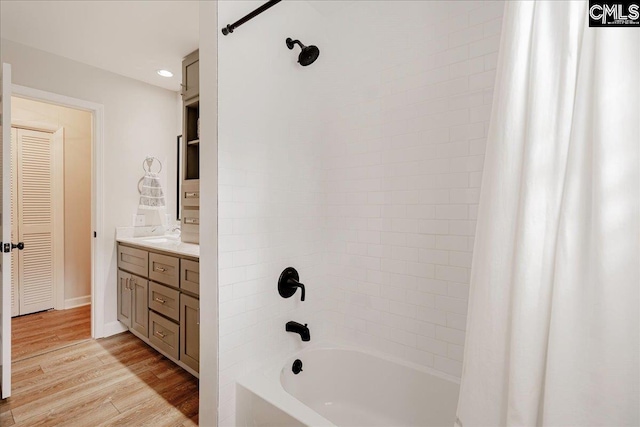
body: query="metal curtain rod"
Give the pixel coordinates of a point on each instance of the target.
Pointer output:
(229, 28)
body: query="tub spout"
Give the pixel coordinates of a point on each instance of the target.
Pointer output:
(299, 329)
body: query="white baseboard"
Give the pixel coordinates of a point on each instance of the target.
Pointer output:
(113, 328)
(77, 302)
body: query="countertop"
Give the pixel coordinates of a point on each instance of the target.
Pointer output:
(164, 244)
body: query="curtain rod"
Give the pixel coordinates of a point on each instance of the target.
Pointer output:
(229, 28)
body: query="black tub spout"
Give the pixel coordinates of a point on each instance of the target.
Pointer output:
(298, 329)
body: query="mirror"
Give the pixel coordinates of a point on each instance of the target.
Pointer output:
(179, 180)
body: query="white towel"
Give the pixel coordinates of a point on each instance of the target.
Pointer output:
(151, 194)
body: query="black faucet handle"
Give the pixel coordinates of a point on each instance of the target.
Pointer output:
(298, 285)
(289, 283)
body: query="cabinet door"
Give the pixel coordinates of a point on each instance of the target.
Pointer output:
(139, 304)
(190, 332)
(124, 298)
(190, 76)
(190, 276)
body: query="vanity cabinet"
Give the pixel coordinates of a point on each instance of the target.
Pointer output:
(133, 302)
(190, 331)
(158, 302)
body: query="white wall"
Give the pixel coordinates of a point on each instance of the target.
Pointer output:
(413, 88)
(270, 187)
(139, 120)
(77, 189)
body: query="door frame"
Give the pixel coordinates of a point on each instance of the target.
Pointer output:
(98, 282)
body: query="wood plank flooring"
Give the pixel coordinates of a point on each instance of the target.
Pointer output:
(42, 332)
(115, 381)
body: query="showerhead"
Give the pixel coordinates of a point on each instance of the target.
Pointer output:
(308, 54)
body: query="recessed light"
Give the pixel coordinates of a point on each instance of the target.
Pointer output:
(165, 73)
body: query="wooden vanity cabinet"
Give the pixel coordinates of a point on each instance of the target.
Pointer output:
(133, 302)
(161, 308)
(190, 331)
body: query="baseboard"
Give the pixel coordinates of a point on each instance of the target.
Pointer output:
(77, 302)
(113, 328)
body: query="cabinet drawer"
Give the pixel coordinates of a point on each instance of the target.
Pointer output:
(190, 225)
(164, 269)
(163, 334)
(133, 260)
(190, 276)
(164, 300)
(191, 193)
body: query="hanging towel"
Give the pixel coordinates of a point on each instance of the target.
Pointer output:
(151, 194)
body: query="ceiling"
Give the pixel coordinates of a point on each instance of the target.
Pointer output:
(130, 38)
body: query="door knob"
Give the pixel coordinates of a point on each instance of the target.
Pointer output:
(8, 247)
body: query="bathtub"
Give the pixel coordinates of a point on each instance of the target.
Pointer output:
(344, 386)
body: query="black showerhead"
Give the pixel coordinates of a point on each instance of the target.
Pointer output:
(308, 55)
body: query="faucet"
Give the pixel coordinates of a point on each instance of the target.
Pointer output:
(298, 329)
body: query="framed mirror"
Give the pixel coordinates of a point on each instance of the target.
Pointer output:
(179, 180)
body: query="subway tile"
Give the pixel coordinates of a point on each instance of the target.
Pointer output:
(431, 345)
(484, 46)
(457, 321)
(453, 336)
(402, 309)
(451, 305)
(455, 352)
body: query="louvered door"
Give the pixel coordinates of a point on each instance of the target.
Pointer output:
(35, 220)
(15, 306)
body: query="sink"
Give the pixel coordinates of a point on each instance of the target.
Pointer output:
(161, 239)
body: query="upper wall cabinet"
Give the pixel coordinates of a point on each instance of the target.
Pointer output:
(191, 154)
(190, 76)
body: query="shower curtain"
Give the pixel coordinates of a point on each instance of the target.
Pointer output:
(553, 324)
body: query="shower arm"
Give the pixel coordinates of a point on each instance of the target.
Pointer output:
(290, 43)
(229, 28)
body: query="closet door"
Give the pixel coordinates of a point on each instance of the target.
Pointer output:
(35, 220)
(15, 291)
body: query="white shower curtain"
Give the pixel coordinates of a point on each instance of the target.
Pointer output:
(553, 326)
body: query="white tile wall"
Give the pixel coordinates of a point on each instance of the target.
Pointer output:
(362, 171)
(271, 194)
(401, 225)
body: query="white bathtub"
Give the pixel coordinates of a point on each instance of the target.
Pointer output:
(342, 386)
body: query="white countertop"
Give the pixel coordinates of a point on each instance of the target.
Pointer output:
(164, 244)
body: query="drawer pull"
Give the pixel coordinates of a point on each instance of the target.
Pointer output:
(191, 221)
(126, 285)
(192, 195)
(160, 300)
(161, 269)
(160, 334)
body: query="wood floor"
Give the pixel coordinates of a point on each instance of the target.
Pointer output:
(115, 381)
(42, 332)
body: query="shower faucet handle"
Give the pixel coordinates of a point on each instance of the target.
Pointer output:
(289, 283)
